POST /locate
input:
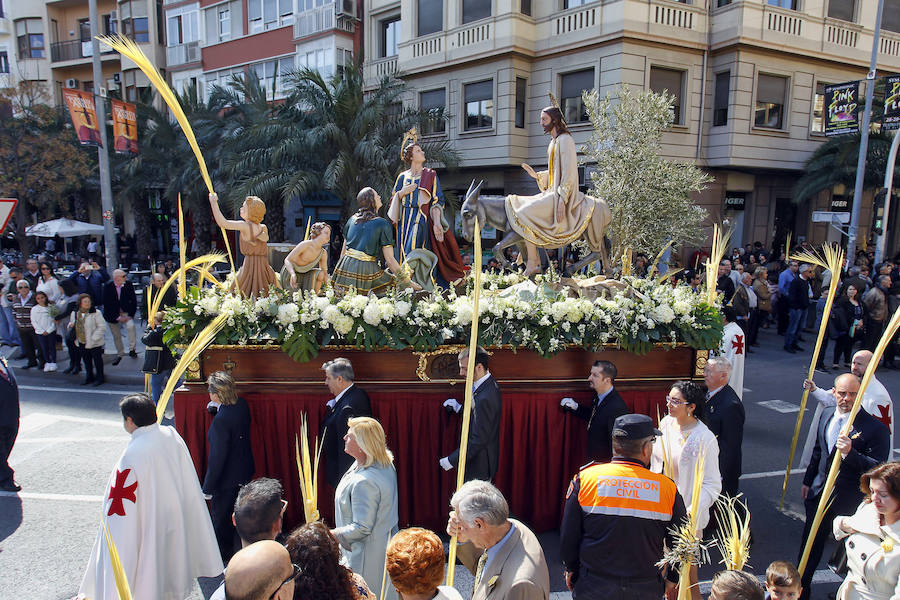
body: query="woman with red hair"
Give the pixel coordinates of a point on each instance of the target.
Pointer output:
(415, 563)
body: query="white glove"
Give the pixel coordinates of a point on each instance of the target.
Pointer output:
(445, 462)
(451, 403)
(568, 403)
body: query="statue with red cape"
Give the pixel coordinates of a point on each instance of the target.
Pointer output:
(424, 240)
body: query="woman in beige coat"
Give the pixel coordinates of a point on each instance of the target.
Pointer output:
(763, 293)
(90, 337)
(873, 538)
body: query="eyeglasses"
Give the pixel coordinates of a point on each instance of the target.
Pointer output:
(284, 504)
(295, 573)
(674, 401)
(45, 268)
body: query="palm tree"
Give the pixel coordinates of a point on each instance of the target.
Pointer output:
(330, 135)
(834, 163)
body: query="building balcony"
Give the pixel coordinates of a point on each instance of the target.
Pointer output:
(75, 50)
(6, 26)
(324, 18)
(788, 30)
(183, 54)
(377, 69)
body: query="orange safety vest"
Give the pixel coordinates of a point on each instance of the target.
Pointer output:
(624, 489)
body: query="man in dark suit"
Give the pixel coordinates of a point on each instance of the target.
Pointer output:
(724, 415)
(89, 279)
(483, 451)
(798, 300)
(119, 308)
(603, 412)
(9, 425)
(867, 445)
(349, 401)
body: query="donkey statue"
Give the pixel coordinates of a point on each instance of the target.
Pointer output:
(491, 211)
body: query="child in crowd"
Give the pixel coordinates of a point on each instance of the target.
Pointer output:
(782, 581)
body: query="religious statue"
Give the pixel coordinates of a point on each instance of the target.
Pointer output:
(559, 215)
(306, 266)
(424, 239)
(368, 239)
(256, 274)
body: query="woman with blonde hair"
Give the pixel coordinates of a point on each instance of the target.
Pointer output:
(230, 464)
(256, 274)
(415, 564)
(365, 502)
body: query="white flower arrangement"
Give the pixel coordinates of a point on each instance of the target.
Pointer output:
(543, 320)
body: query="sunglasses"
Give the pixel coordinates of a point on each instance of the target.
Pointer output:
(295, 573)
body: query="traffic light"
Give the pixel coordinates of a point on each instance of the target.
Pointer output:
(878, 211)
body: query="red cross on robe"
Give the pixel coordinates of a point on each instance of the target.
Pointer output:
(119, 492)
(738, 344)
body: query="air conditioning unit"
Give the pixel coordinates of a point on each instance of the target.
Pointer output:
(117, 77)
(114, 15)
(346, 8)
(72, 83)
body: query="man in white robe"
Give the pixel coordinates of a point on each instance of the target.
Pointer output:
(156, 515)
(876, 401)
(734, 348)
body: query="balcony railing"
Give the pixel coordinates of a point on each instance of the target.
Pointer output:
(183, 53)
(381, 67)
(75, 50)
(315, 20)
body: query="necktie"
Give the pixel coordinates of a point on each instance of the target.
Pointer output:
(834, 430)
(479, 570)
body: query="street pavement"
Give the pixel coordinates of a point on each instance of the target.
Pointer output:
(71, 436)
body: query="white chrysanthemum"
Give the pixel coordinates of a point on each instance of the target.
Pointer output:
(343, 325)
(402, 308)
(663, 314)
(332, 314)
(287, 314)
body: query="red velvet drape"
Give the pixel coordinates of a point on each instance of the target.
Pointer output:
(541, 448)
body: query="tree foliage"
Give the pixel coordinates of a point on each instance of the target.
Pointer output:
(649, 196)
(40, 159)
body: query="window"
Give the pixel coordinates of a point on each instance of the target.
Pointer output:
(720, 103)
(430, 16)
(571, 87)
(30, 36)
(4, 62)
(770, 92)
(110, 25)
(521, 93)
(723, 3)
(390, 37)
(2, 14)
(671, 81)
(272, 75)
(479, 99)
(183, 29)
(791, 4)
(818, 118)
(224, 15)
(269, 14)
(843, 9)
(321, 60)
(472, 10)
(525, 7)
(890, 17)
(135, 24)
(574, 3)
(434, 102)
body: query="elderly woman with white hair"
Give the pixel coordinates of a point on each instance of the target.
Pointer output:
(365, 502)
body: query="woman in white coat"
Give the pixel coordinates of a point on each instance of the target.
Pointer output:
(684, 439)
(365, 502)
(873, 538)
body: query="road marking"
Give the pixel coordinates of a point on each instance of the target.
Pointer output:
(67, 440)
(40, 388)
(63, 497)
(780, 406)
(769, 474)
(43, 419)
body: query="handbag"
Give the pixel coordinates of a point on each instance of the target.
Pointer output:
(837, 562)
(152, 360)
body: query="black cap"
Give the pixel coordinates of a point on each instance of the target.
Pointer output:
(634, 427)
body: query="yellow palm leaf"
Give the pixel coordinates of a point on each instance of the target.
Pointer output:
(121, 578)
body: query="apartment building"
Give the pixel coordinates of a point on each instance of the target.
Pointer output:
(208, 41)
(748, 76)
